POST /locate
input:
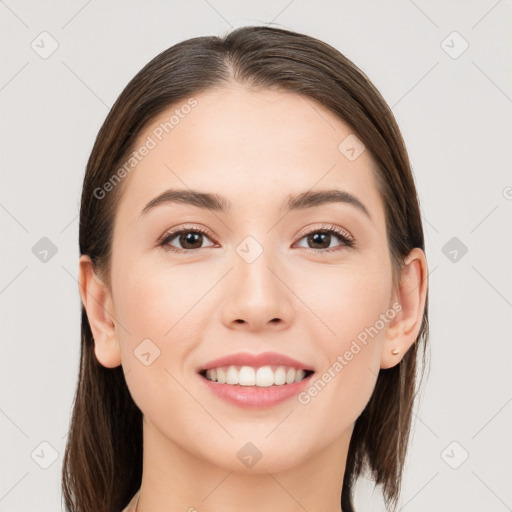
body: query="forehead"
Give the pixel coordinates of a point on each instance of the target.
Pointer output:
(254, 146)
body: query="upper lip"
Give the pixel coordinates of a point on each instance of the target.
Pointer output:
(256, 361)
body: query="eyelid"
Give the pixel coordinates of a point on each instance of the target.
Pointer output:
(172, 232)
(325, 227)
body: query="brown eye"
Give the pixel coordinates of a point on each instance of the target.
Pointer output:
(320, 241)
(188, 240)
(191, 240)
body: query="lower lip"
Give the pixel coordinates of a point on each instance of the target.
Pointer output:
(253, 396)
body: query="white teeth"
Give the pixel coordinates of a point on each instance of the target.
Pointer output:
(280, 376)
(246, 376)
(265, 377)
(249, 376)
(232, 376)
(299, 375)
(221, 376)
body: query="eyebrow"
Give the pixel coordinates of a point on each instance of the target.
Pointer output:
(216, 202)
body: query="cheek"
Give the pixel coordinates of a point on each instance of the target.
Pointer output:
(347, 301)
(354, 309)
(163, 314)
(162, 328)
(152, 301)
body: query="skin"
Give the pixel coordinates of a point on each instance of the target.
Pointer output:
(255, 148)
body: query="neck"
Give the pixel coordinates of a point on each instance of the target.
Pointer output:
(176, 479)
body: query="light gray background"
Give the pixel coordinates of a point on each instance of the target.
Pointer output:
(456, 118)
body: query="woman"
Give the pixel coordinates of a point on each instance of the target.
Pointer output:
(254, 285)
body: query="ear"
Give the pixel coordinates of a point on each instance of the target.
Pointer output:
(411, 295)
(97, 301)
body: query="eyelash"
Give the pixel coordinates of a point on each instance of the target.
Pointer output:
(342, 235)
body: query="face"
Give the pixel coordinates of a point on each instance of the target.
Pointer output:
(256, 277)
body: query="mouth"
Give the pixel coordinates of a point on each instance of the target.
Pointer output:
(261, 377)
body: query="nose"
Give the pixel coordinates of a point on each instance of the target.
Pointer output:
(257, 296)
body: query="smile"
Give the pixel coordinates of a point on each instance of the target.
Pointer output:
(264, 376)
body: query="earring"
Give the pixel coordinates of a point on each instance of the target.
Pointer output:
(395, 351)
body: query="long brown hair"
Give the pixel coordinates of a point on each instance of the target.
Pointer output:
(102, 466)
